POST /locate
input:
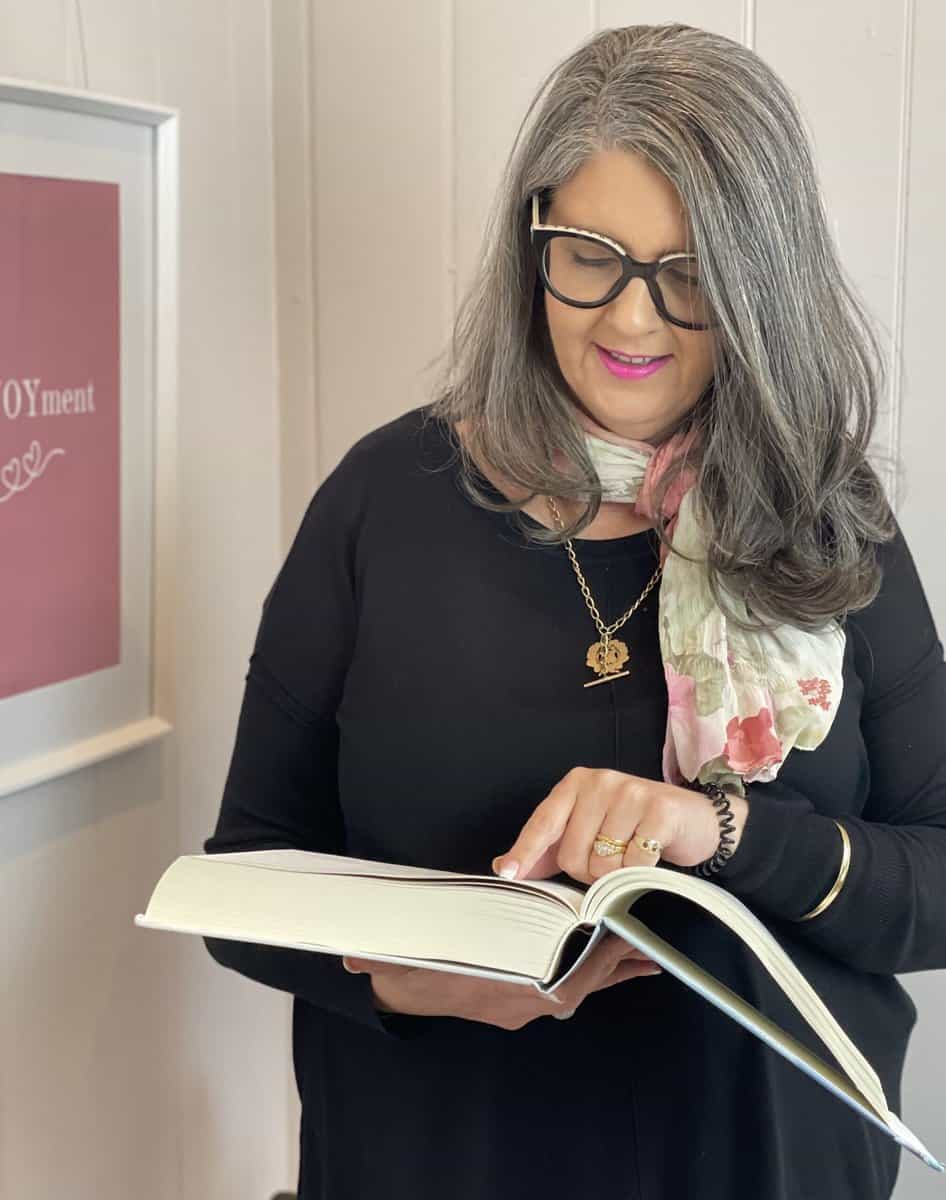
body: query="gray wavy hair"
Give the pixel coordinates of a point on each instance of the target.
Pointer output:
(783, 430)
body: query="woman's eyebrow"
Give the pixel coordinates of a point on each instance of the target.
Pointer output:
(612, 238)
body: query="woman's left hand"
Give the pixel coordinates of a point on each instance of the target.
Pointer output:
(560, 834)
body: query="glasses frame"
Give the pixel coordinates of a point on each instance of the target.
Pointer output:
(631, 268)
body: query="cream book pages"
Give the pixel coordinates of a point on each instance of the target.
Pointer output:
(535, 932)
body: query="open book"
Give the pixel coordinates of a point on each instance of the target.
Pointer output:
(532, 932)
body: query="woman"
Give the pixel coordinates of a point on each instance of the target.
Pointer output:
(768, 688)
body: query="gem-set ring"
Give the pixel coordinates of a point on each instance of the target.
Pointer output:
(606, 846)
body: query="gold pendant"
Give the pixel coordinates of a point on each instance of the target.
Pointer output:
(606, 660)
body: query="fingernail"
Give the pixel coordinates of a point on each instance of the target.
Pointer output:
(509, 870)
(350, 970)
(654, 971)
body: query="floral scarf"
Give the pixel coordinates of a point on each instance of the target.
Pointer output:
(738, 702)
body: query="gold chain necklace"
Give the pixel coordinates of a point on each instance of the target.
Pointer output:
(607, 656)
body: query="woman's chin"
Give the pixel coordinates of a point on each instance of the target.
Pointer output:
(621, 418)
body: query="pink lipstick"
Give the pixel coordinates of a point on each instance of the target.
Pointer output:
(625, 370)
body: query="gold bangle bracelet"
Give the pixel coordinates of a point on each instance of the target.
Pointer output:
(839, 882)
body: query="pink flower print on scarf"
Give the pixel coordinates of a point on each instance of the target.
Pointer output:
(817, 691)
(750, 743)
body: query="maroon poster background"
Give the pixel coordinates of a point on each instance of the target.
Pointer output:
(60, 452)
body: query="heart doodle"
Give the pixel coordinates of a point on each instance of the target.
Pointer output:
(10, 475)
(31, 458)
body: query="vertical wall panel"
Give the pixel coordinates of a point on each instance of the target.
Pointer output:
(502, 52)
(923, 409)
(233, 1039)
(379, 209)
(848, 80)
(292, 198)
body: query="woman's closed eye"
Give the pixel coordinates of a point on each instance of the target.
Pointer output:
(604, 261)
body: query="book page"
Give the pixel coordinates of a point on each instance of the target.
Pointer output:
(729, 1002)
(314, 862)
(490, 927)
(616, 892)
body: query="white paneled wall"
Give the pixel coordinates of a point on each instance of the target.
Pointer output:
(415, 108)
(383, 294)
(851, 80)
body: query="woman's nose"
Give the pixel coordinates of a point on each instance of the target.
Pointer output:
(634, 310)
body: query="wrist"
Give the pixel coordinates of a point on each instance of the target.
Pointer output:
(739, 806)
(730, 810)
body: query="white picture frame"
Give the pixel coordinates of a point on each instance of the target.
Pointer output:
(57, 729)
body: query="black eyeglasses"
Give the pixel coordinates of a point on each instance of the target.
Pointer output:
(587, 270)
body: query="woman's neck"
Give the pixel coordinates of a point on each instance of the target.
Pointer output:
(612, 520)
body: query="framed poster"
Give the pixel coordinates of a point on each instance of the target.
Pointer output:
(88, 395)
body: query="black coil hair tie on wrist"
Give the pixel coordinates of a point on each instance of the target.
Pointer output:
(727, 827)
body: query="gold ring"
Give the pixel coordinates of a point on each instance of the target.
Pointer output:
(605, 846)
(649, 844)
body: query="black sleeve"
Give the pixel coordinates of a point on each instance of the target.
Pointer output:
(890, 916)
(281, 789)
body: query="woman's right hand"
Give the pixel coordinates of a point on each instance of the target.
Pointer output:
(420, 992)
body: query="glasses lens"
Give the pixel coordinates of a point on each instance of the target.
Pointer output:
(584, 271)
(580, 269)
(679, 283)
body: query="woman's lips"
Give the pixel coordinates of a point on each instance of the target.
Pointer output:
(625, 370)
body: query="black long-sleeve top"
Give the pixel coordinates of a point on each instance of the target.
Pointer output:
(414, 690)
